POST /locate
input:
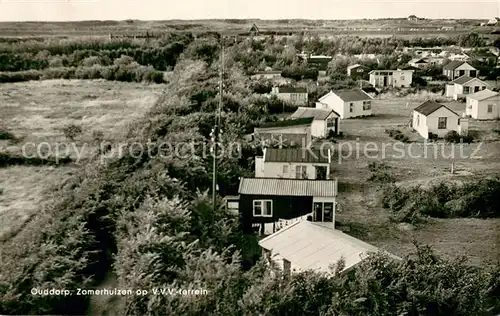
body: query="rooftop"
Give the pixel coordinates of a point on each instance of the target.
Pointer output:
(483, 95)
(352, 95)
(309, 246)
(285, 123)
(453, 65)
(289, 89)
(317, 114)
(295, 155)
(287, 187)
(463, 80)
(429, 107)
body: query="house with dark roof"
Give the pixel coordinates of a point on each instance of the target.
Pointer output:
(293, 163)
(483, 105)
(463, 86)
(270, 200)
(431, 118)
(325, 121)
(391, 78)
(357, 71)
(347, 103)
(413, 18)
(457, 68)
(285, 133)
(418, 63)
(292, 95)
(308, 245)
(254, 29)
(268, 74)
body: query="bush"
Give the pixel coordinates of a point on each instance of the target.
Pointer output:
(452, 137)
(6, 135)
(72, 131)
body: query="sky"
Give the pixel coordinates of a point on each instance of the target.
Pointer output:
(76, 10)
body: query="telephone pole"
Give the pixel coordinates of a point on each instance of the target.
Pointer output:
(216, 130)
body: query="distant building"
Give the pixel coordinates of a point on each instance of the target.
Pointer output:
(254, 29)
(293, 163)
(483, 105)
(293, 95)
(493, 21)
(324, 121)
(391, 78)
(432, 118)
(357, 71)
(419, 63)
(286, 133)
(456, 69)
(272, 74)
(463, 86)
(413, 18)
(347, 103)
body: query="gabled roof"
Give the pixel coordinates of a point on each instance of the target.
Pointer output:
(317, 114)
(269, 72)
(310, 246)
(352, 95)
(287, 187)
(285, 123)
(295, 155)
(417, 60)
(254, 28)
(289, 89)
(465, 79)
(482, 95)
(429, 107)
(452, 65)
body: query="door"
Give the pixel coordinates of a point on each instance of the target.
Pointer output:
(385, 81)
(321, 172)
(476, 89)
(318, 212)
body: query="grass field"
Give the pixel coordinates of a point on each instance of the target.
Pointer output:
(359, 207)
(35, 112)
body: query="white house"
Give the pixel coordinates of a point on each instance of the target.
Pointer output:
(456, 69)
(348, 103)
(324, 120)
(493, 21)
(433, 118)
(293, 163)
(464, 86)
(483, 105)
(391, 78)
(311, 245)
(292, 95)
(286, 133)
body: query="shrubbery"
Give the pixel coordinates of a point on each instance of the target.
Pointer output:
(472, 199)
(397, 135)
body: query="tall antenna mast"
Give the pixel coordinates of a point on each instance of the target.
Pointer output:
(215, 130)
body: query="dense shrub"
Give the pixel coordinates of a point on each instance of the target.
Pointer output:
(397, 135)
(472, 199)
(380, 173)
(72, 131)
(6, 135)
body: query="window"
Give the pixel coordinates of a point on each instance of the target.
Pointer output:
(360, 70)
(367, 105)
(466, 90)
(417, 121)
(263, 208)
(376, 74)
(476, 89)
(285, 168)
(442, 123)
(351, 107)
(301, 172)
(490, 108)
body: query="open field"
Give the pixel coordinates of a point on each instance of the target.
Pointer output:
(35, 112)
(359, 207)
(379, 27)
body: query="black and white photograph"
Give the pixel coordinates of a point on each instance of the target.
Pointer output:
(254, 158)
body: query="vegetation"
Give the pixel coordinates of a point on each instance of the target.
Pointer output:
(147, 218)
(398, 135)
(471, 199)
